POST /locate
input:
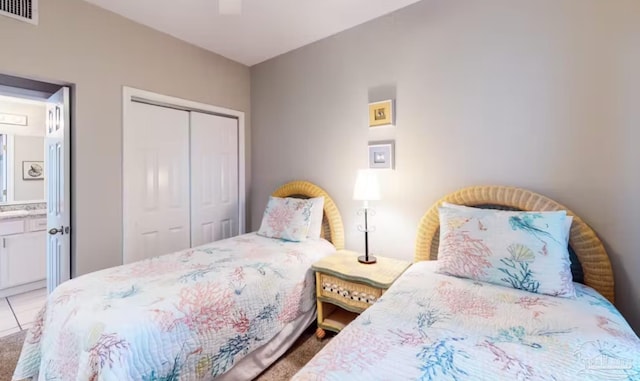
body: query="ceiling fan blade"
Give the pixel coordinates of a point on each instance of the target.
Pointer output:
(230, 7)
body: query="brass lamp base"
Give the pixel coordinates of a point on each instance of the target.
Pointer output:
(370, 260)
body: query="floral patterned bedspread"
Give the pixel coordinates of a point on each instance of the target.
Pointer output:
(184, 316)
(429, 326)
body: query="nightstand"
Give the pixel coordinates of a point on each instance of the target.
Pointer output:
(346, 287)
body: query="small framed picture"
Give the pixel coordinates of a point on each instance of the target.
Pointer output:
(33, 170)
(381, 155)
(381, 113)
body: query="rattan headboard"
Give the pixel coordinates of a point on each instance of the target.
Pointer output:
(332, 228)
(583, 240)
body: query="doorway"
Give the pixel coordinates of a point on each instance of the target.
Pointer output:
(34, 197)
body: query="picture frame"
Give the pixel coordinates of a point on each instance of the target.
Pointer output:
(13, 119)
(381, 113)
(32, 170)
(382, 155)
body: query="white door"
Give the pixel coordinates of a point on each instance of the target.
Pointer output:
(58, 176)
(214, 178)
(155, 181)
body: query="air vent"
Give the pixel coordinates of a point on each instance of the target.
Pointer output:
(24, 10)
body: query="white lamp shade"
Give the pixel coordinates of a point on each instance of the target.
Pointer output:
(367, 187)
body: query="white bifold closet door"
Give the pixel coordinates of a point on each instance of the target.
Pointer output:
(180, 185)
(156, 182)
(214, 178)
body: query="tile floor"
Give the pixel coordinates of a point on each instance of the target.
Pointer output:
(17, 312)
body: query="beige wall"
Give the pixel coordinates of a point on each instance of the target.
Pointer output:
(100, 52)
(541, 94)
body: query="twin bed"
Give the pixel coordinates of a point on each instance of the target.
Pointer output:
(229, 309)
(225, 310)
(431, 326)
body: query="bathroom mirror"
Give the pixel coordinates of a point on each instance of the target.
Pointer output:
(22, 131)
(22, 177)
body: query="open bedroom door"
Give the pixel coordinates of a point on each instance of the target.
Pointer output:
(58, 170)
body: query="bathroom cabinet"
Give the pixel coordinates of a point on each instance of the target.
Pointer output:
(22, 254)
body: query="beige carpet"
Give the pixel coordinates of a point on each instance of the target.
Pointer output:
(283, 369)
(10, 347)
(299, 354)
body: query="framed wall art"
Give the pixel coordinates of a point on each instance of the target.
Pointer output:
(33, 170)
(381, 113)
(381, 155)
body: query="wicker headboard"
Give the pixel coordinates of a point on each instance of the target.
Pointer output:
(332, 228)
(584, 243)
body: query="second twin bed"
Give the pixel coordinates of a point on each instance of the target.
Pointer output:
(433, 326)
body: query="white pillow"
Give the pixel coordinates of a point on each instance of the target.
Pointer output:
(286, 218)
(523, 250)
(567, 223)
(315, 228)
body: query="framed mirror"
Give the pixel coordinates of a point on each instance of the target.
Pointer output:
(22, 170)
(22, 175)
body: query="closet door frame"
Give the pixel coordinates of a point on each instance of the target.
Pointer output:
(130, 94)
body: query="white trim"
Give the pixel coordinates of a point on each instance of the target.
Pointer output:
(128, 95)
(10, 162)
(26, 202)
(20, 289)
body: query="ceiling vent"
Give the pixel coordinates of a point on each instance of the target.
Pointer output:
(23, 10)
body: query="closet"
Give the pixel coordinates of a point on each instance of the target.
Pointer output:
(180, 179)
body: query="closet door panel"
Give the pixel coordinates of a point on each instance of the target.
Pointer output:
(214, 178)
(156, 182)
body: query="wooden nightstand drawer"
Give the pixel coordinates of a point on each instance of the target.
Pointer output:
(355, 295)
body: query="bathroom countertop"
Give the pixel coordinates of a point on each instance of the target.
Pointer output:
(22, 214)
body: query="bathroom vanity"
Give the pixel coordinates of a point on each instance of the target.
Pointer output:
(23, 240)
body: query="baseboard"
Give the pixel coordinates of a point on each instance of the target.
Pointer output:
(23, 288)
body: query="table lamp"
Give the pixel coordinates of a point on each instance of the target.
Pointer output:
(367, 189)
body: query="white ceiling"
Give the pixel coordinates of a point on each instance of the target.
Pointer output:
(264, 29)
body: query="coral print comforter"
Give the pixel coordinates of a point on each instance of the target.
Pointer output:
(436, 327)
(184, 316)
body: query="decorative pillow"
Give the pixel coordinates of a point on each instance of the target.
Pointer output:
(315, 228)
(286, 218)
(523, 250)
(567, 223)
